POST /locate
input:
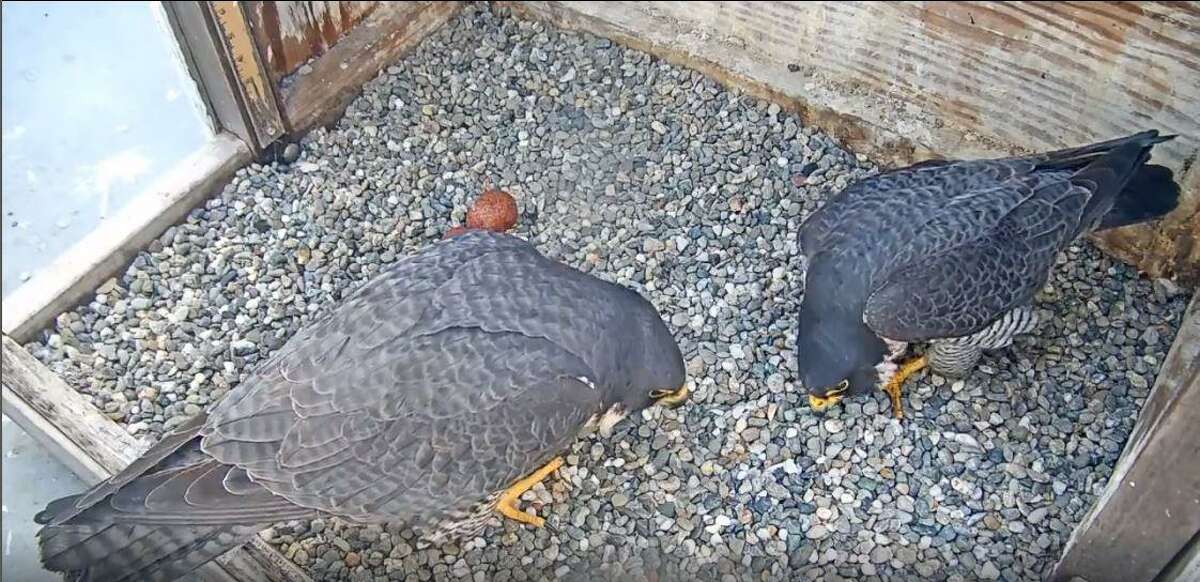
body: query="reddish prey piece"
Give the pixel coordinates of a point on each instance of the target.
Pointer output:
(494, 210)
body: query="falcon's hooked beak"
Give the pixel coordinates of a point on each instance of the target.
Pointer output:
(671, 398)
(831, 397)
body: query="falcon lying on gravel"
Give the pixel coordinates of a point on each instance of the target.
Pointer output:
(436, 394)
(952, 253)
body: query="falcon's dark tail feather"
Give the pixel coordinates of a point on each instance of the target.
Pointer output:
(1077, 158)
(166, 514)
(1124, 189)
(102, 544)
(1151, 193)
(129, 552)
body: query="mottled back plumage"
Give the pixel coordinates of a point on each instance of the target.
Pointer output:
(431, 388)
(946, 249)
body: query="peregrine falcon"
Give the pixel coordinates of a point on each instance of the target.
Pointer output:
(436, 394)
(952, 253)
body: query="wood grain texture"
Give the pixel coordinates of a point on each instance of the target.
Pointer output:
(93, 446)
(1150, 510)
(255, 86)
(65, 421)
(289, 33)
(904, 81)
(392, 29)
(75, 274)
(190, 21)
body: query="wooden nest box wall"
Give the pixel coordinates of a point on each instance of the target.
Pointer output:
(900, 82)
(906, 81)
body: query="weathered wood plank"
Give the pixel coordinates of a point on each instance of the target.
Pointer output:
(62, 419)
(95, 448)
(392, 29)
(108, 249)
(1186, 566)
(291, 32)
(1150, 509)
(903, 81)
(204, 53)
(258, 561)
(255, 86)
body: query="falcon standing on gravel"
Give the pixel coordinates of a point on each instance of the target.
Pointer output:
(952, 253)
(436, 394)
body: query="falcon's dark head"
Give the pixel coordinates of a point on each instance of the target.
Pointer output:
(651, 363)
(836, 353)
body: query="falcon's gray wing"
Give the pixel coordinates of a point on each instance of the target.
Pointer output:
(984, 254)
(482, 411)
(368, 413)
(895, 205)
(421, 394)
(379, 435)
(989, 244)
(401, 292)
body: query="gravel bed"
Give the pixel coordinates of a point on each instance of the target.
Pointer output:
(656, 177)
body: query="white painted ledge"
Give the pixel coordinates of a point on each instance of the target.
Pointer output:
(112, 245)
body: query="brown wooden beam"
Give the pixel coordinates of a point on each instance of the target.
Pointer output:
(204, 55)
(250, 77)
(322, 94)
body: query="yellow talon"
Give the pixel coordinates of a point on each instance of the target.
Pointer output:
(507, 505)
(893, 386)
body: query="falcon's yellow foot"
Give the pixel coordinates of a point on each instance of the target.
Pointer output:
(507, 506)
(897, 382)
